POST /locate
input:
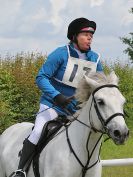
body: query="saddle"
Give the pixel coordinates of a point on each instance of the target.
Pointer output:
(49, 130)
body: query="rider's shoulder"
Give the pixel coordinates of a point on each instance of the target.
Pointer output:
(93, 55)
(60, 51)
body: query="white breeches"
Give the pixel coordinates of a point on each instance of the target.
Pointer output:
(44, 115)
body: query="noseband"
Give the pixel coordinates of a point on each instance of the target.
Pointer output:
(104, 122)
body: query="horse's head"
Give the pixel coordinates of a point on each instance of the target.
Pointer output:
(106, 111)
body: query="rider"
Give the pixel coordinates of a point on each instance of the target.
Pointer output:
(58, 79)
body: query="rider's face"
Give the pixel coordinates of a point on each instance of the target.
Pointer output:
(84, 40)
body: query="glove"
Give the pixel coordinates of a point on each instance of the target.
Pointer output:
(62, 101)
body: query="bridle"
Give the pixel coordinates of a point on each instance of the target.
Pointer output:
(104, 123)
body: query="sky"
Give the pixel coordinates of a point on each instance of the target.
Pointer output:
(41, 25)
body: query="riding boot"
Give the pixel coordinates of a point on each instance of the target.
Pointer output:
(26, 155)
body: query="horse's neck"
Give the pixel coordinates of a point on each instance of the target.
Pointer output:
(79, 133)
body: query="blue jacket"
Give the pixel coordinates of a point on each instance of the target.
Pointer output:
(54, 67)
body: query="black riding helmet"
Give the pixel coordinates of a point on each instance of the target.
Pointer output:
(77, 25)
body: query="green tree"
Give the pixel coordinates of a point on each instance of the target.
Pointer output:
(129, 41)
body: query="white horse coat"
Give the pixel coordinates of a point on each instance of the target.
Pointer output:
(57, 160)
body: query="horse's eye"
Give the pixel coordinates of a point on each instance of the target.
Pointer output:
(100, 102)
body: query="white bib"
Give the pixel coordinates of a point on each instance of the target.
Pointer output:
(75, 70)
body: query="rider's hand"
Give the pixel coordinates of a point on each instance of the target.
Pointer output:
(62, 101)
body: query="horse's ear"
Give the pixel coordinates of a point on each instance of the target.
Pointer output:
(113, 77)
(92, 83)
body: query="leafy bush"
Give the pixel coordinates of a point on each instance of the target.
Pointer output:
(19, 95)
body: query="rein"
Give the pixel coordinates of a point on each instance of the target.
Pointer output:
(104, 123)
(85, 167)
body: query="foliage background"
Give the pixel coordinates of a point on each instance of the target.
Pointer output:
(19, 95)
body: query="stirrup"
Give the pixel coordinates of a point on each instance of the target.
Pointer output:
(17, 172)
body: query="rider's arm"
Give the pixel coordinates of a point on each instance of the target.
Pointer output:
(47, 71)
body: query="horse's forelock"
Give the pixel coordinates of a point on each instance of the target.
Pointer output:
(85, 89)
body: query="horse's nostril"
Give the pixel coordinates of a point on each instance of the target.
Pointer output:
(117, 133)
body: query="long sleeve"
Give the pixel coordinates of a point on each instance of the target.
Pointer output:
(48, 70)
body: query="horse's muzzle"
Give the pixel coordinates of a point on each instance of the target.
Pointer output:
(118, 135)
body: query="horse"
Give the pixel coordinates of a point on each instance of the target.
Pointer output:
(74, 151)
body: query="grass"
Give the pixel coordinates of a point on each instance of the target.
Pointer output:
(112, 151)
(125, 171)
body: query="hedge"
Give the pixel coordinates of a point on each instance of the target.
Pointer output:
(19, 95)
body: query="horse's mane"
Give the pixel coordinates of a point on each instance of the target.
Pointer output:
(85, 89)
